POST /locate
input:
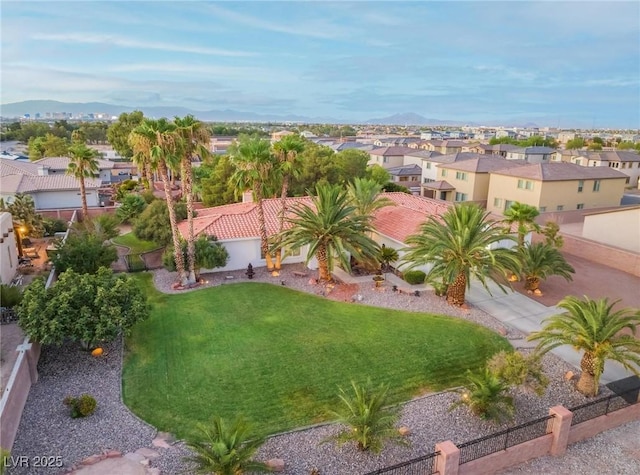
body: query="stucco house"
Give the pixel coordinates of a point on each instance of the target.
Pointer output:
(500, 149)
(407, 176)
(59, 165)
(532, 154)
(555, 187)
(627, 162)
(387, 157)
(49, 191)
(8, 249)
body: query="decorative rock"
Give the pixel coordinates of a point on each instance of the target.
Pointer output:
(502, 331)
(404, 431)
(112, 454)
(537, 292)
(167, 436)
(136, 458)
(148, 453)
(276, 465)
(568, 376)
(153, 471)
(313, 281)
(160, 442)
(92, 460)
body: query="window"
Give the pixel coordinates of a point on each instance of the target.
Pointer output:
(624, 164)
(520, 184)
(507, 204)
(385, 159)
(497, 202)
(293, 252)
(461, 176)
(461, 196)
(628, 180)
(559, 208)
(580, 206)
(596, 185)
(444, 172)
(542, 209)
(580, 185)
(428, 166)
(528, 185)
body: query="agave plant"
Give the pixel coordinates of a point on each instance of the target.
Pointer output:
(227, 449)
(486, 396)
(369, 420)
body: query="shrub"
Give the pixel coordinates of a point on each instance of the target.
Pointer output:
(52, 226)
(414, 277)
(516, 369)
(82, 406)
(131, 207)
(486, 396)
(10, 296)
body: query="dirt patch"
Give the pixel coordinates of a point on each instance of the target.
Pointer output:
(343, 292)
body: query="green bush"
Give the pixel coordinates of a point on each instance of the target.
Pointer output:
(414, 277)
(82, 406)
(10, 296)
(52, 226)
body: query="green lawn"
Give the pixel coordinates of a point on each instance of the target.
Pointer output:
(136, 245)
(277, 356)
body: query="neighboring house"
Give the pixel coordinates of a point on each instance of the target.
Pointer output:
(340, 146)
(555, 187)
(107, 152)
(431, 135)
(433, 185)
(506, 133)
(276, 136)
(219, 144)
(470, 178)
(387, 157)
(59, 166)
(597, 226)
(12, 156)
(8, 249)
(564, 137)
(447, 146)
(307, 134)
(418, 157)
(49, 191)
(624, 161)
(532, 154)
(407, 176)
(500, 150)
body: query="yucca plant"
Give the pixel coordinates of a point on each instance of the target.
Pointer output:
(486, 396)
(369, 420)
(227, 449)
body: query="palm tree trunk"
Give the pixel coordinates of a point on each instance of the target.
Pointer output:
(187, 176)
(283, 209)
(323, 264)
(177, 248)
(531, 283)
(83, 195)
(587, 384)
(456, 291)
(264, 242)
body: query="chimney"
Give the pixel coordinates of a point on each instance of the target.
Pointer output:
(43, 171)
(247, 196)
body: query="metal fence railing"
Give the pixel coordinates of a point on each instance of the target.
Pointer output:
(603, 406)
(425, 465)
(504, 439)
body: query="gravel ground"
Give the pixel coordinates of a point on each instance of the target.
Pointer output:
(47, 429)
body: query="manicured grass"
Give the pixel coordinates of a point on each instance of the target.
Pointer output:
(276, 356)
(136, 245)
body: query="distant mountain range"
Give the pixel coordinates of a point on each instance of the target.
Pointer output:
(19, 109)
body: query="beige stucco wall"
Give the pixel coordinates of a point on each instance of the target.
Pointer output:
(8, 249)
(506, 188)
(392, 160)
(626, 223)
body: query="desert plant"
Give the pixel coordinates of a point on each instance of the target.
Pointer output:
(414, 277)
(486, 396)
(227, 449)
(552, 236)
(81, 406)
(387, 256)
(10, 296)
(517, 369)
(369, 419)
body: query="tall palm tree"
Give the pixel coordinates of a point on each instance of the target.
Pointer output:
(83, 164)
(195, 139)
(593, 327)
(255, 164)
(524, 216)
(156, 141)
(287, 150)
(458, 245)
(540, 261)
(332, 229)
(364, 194)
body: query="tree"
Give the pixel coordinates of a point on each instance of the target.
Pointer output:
(551, 233)
(227, 449)
(82, 164)
(84, 253)
(23, 214)
(369, 419)
(524, 216)
(209, 254)
(154, 225)
(131, 207)
(378, 174)
(79, 136)
(594, 327)
(595, 146)
(575, 144)
(459, 245)
(194, 141)
(541, 260)
(318, 168)
(105, 226)
(87, 308)
(216, 187)
(625, 146)
(364, 194)
(254, 169)
(332, 229)
(351, 164)
(288, 151)
(156, 140)
(47, 146)
(119, 131)
(388, 255)
(597, 140)
(486, 396)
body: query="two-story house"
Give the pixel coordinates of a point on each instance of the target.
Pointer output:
(555, 187)
(433, 185)
(499, 150)
(532, 154)
(407, 176)
(446, 146)
(625, 161)
(387, 157)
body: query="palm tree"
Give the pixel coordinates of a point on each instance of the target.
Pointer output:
(287, 150)
(332, 229)
(364, 194)
(388, 255)
(83, 164)
(254, 164)
(541, 260)
(458, 245)
(486, 396)
(155, 140)
(195, 139)
(227, 449)
(593, 327)
(524, 216)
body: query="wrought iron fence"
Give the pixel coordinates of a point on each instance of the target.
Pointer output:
(603, 406)
(502, 440)
(425, 465)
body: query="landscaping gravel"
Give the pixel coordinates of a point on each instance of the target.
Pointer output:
(47, 429)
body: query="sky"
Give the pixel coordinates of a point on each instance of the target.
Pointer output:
(556, 64)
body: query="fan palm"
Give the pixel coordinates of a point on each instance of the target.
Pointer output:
(156, 141)
(540, 261)
(227, 449)
(83, 164)
(332, 229)
(524, 216)
(195, 141)
(458, 246)
(364, 194)
(255, 165)
(594, 327)
(287, 150)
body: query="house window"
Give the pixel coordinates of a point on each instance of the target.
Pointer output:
(385, 159)
(293, 252)
(507, 204)
(444, 172)
(624, 165)
(461, 176)
(559, 208)
(580, 206)
(497, 202)
(461, 196)
(428, 180)
(596, 185)
(528, 185)
(628, 180)
(542, 209)
(428, 165)
(580, 185)
(521, 184)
